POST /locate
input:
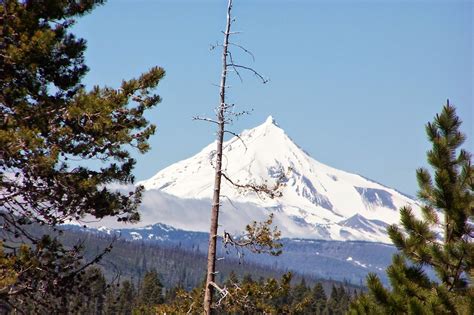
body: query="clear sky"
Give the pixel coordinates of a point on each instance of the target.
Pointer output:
(351, 82)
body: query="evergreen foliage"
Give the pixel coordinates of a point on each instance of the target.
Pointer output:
(47, 119)
(268, 296)
(90, 296)
(125, 298)
(151, 290)
(442, 239)
(318, 300)
(181, 273)
(177, 266)
(338, 301)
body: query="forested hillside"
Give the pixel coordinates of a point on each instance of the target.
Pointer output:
(176, 265)
(142, 276)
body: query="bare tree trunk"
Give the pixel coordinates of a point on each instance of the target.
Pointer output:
(211, 254)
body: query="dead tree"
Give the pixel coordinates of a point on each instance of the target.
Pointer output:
(259, 237)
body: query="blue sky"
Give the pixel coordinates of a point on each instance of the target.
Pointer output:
(352, 82)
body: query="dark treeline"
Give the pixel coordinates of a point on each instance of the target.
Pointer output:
(177, 266)
(138, 277)
(239, 295)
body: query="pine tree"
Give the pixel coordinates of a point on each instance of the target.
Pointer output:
(442, 239)
(299, 291)
(301, 299)
(151, 290)
(338, 302)
(47, 119)
(111, 300)
(126, 298)
(319, 299)
(89, 297)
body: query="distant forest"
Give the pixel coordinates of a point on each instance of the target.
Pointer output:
(140, 278)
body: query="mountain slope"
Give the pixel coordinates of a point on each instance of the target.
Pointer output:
(342, 261)
(318, 201)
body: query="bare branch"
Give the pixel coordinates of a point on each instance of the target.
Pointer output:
(222, 291)
(244, 49)
(249, 69)
(205, 119)
(230, 201)
(234, 67)
(217, 85)
(238, 137)
(230, 33)
(214, 46)
(190, 308)
(272, 192)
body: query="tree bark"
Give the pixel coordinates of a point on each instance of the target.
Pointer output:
(211, 254)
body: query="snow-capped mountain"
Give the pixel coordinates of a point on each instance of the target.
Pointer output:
(318, 201)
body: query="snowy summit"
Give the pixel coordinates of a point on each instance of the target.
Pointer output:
(318, 201)
(270, 120)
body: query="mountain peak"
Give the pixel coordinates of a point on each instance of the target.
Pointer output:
(317, 201)
(270, 121)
